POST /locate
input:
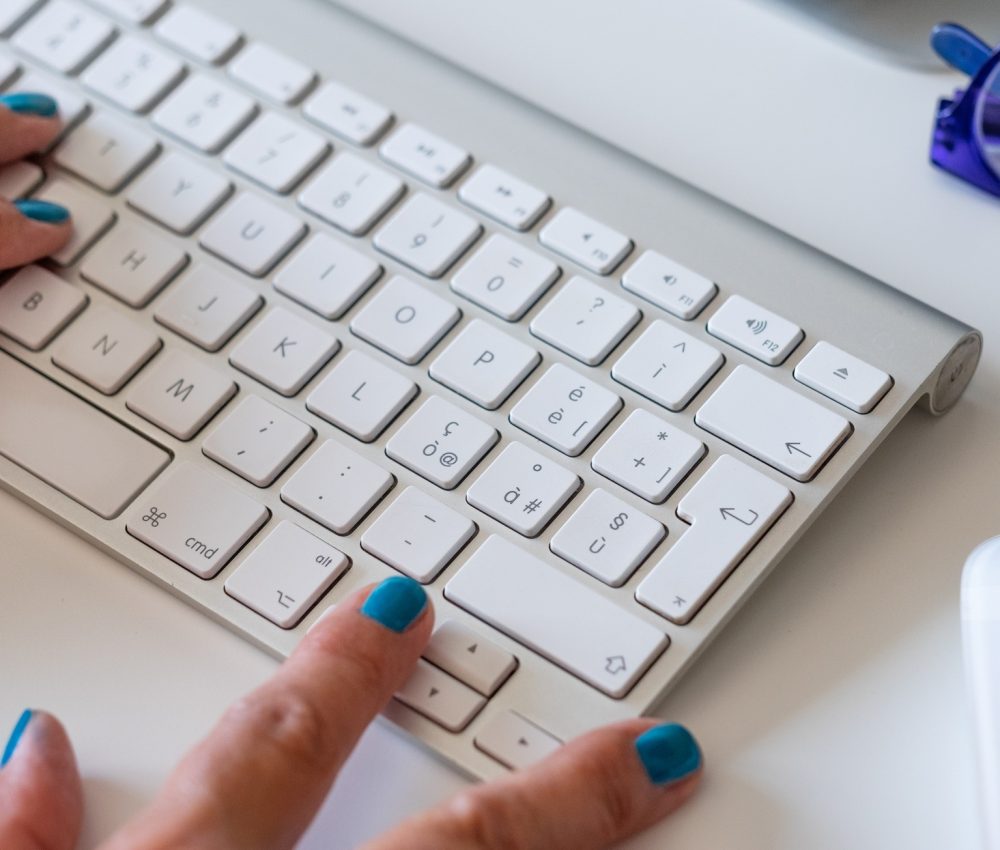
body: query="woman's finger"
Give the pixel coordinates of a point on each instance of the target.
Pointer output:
(259, 777)
(30, 230)
(29, 122)
(41, 801)
(591, 794)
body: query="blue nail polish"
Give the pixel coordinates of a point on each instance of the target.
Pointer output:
(15, 736)
(668, 753)
(42, 211)
(30, 103)
(395, 603)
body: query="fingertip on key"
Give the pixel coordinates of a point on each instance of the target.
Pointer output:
(44, 211)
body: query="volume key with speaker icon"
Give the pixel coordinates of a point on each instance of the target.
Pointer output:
(755, 330)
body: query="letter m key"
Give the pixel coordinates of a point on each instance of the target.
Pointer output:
(180, 389)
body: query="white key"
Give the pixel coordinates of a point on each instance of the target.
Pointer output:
(133, 264)
(196, 519)
(648, 456)
(35, 305)
(557, 616)
(64, 35)
(565, 410)
(252, 234)
(361, 396)
(337, 487)
(515, 742)
(13, 12)
(484, 364)
(179, 193)
(71, 106)
(8, 67)
(794, 434)
(275, 152)
(179, 394)
(667, 365)
(593, 245)
(351, 194)
(669, 285)
(91, 218)
(441, 698)
(405, 320)
(427, 235)
(505, 278)
(731, 507)
(608, 538)
(198, 34)
(425, 155)
(758, 332)
(418, 536)
(504, 197)
(283, 351)
(346, 113)
(204, 113)
(585, 320)
(286, 574)
(105, 349)
(106, 152)
(207, 307)
(469, 657)
(441, 442)
(132, 11)
(843, 377)
(327, 276)
(272, 74)
(133, 73)
(257, 440)
(20, 179)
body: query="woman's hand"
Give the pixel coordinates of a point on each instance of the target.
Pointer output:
(260, 776)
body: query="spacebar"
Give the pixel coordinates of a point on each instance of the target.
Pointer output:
(70, 444)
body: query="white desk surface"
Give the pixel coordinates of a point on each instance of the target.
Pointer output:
(831, 710)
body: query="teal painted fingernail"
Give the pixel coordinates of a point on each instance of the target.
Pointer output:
(15, 736)
(43, 211)
(668, 753)
(30, 103)
(395, 603)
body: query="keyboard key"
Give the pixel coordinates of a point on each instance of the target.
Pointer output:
(179, 394)
(405, 320)
(64, 35)
(272, 74)
(591, 636)
(667, 365)
(283, 351)
(13, 12)
(438, 696)
(8, 67)
(198, 34)
(504, 197)
(427, 235)
(196, 519)
(275, 152)
(105, 349)
(843, 377)
(731, 507)
(608, 538)
(441, 442)
(132, 11)
(133, 73)
(361, 396)
(669, 285)
(515, 742)
(327, 276)
(257, 440)
(427, 157)
(204, 113)
(179, 193)
(469, 657)
(419, 536)
(795, 435)
(71, 106)
(505, 278)
(585, 241)
(106, 152)
(484, 364)
(347, 114)
(35, 306)
(351, 194)
(207, 307)
(252, 234)
(133, 264)
(758, 332)
(337, 487)
(20, 179)
(286, 574)
(91, 218)
(565, 410)
(585, 320)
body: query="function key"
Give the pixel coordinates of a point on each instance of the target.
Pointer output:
(585, 241)
(198, 34)
(425, 155)
(350, 115)
(758, 332)
(504, 197)
(669, 285)
(272, 74)
(843, 377)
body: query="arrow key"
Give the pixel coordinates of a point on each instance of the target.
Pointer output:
(469, 657)
(436, 695)
(514, 741)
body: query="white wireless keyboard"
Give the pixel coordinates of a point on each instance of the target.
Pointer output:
(334, 309)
